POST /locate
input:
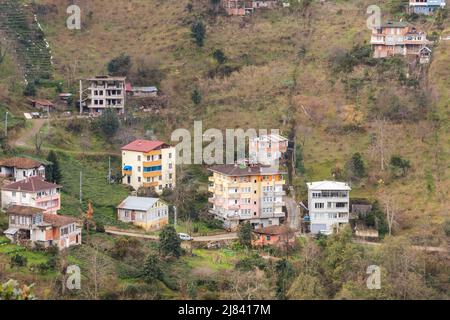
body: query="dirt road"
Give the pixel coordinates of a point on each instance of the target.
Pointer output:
(28, 134)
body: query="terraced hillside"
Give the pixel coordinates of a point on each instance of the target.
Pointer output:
(21, 31)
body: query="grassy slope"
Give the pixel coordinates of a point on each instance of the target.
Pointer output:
(257, 95)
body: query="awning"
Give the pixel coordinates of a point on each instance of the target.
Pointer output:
(128, 168)
(11, 231)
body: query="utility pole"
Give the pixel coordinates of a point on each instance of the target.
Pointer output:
(81, 186)
(174, 216)
(6, 124)
(109, 169)
(81, 97)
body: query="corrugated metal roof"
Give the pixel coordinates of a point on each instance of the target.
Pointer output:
(138, 203)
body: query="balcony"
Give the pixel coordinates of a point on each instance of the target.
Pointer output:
(126, 172)
(153, 153)
(150, 184)
(152, 163)
(151, 174)
(233, 207)
(279, 214)
(234, 195)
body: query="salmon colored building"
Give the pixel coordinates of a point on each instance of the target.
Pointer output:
(279, 236)
(246, 192)
(397, 38)
(33, 225)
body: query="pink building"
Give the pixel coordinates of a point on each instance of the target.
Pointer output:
(397, 38)
(32, 192)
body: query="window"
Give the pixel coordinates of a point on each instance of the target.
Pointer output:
(24, 195)
(318, 205)
(13, 194)
(170, 175)
(139, 169)
(138, 158)
(341, 204)
(148, 158)
(268, 238)
(139, 179)
(170, 166)
(170, 155)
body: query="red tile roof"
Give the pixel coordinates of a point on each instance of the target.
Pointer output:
(21, 163)
(23, 210)
(57, 220)
(32, 184)
(274, 230)
(143, 145)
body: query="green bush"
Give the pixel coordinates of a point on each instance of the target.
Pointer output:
(18, 260)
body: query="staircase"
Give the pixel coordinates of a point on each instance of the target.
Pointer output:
(21, 32)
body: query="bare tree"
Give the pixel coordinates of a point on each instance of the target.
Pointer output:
(380, 145)
(2, 53)
(38, 142)
(390, 209)
(98, 273)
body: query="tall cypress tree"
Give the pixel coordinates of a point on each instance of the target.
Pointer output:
(52, 171)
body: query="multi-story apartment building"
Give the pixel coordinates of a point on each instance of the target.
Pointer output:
(397, 38)
(32, 192)
(266, 149)
(145, 212)
(328, 205)
(17, 168)
(243, 7)
(106, 92)
(29, 224)
(247, 193)
(147, 163)
(425, 6)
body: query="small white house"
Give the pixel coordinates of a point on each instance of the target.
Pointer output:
(17, 168)
(328, 205)
(148, 213)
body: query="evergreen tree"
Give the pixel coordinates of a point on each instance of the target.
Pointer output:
(196, 97)
(108, 122)
(284, 275)
(198, 32)
(169, 242)
(151, 270)
(219, 56)
(245, 234)
(299, 166)
(53, 171)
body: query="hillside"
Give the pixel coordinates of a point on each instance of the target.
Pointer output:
(284, 73)
(306, 70)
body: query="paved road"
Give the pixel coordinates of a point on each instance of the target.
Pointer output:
(218, 237)
(293, 211)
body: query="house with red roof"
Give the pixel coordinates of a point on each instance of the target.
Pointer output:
(149, 164)
(19, 168)
(32, 192)
(33, 225)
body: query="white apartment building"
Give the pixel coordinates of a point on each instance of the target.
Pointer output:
(147, 163)
(266, 149)
(106, 92)
(328, 205)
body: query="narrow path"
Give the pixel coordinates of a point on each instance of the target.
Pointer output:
(27, 134)
(422, 248)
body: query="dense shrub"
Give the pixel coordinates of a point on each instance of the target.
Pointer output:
(18, 261)
(120, 66)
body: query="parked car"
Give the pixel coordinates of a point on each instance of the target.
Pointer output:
(185, 237)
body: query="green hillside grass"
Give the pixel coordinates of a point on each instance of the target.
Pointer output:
(283, 69)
